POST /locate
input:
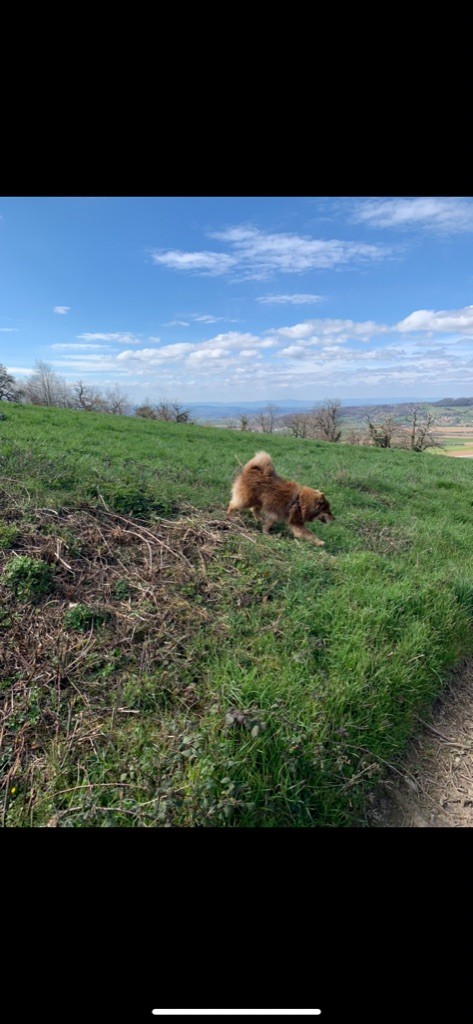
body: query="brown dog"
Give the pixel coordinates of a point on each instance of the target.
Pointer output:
(273, 499)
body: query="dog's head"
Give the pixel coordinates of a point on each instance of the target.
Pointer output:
(314, 505)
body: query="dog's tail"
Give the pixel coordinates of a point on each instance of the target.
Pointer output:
(263, 462)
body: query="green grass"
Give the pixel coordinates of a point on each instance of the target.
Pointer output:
(252, 681)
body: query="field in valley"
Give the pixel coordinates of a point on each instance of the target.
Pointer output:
(160, 665)
(456, 441)
(453, 427)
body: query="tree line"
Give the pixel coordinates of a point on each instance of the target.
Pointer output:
(45, 387)
(322, 423)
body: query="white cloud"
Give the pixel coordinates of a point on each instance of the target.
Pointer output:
(122, 338)
(321, 332)
(257, 254)
(217, 352)
(7, 330)
(295, 352)
(200, 318)
(313, 354)
(443, 320)
(61, 309)
(444, 213)
(206, 318)
(213, 263)
(298, 331)
(266, 253)
(295, 300)
(235, 339)
(157, 355)
(207, 353)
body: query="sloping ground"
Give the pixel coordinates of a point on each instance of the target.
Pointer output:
(160, 665)
(433, 787)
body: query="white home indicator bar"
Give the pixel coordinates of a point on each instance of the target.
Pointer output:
(237, 1013)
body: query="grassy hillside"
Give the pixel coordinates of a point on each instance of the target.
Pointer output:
(160, 666)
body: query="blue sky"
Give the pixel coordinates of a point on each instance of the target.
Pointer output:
(242, 298)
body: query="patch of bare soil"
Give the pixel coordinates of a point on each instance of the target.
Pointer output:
(466, 453)
(433, 787)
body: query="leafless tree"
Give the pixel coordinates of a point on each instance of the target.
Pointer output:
(87, 397)
(382, 432)
(244, 422)
(325, 421)
(9, 389)
(163, 411)
(170, 412)
(81, 395)
(146, 411)
(116, 401)
(46, 387)
(266, 419)
(179, 414)
(354, 436)
(298, 424)
(419, 435)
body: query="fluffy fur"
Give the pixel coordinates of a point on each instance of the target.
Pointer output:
(273, 499)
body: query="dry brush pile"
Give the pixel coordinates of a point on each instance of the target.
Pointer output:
(89, 600)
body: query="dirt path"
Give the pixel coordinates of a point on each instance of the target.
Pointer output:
(433, 787)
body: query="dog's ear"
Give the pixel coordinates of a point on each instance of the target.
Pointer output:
(315, 505)
(318, 505)
(305, 505)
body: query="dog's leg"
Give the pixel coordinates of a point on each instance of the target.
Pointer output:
(257, 514)
(302, 534)
(268, 522)
(238, 500)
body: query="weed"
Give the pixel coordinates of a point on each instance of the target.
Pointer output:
(121, 590)
(8, 536)
(82, 617)
(29, 578)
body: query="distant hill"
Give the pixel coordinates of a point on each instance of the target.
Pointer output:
(285, 406)
(357, 410)
(448, 403)
(226, 410)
